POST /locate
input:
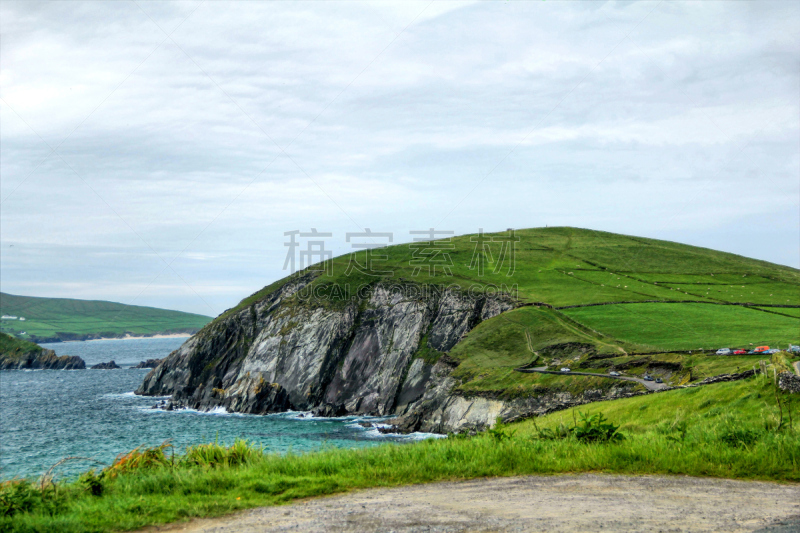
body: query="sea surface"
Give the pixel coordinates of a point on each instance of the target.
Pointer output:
(48, 415)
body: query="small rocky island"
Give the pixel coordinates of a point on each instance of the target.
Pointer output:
(149, 363)
(111, 365)
(18, 354)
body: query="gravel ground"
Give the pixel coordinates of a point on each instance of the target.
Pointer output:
(568, 503)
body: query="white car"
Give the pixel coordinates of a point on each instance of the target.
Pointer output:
(613, 373)
(565, 369)
(724, 351)
(794, 349)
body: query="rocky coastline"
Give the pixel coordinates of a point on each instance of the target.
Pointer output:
(42, 359)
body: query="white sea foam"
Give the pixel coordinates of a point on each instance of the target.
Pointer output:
(130, 394)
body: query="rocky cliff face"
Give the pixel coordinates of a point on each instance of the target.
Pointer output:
(378, 355)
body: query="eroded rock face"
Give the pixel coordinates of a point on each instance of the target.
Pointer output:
(360, 358)
(444, 412)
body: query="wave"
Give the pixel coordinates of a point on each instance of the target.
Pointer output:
(216, 411)
(354, 423)
(130, 394)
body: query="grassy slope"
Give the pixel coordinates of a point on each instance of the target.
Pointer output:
(689, 326)
(571, 266)
(49, 317)
(697, 431)
(14, 348)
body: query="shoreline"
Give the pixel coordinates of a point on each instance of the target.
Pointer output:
(133, 337)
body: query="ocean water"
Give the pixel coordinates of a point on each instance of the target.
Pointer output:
(47, 415)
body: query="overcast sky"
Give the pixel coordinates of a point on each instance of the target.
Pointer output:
(156, 152)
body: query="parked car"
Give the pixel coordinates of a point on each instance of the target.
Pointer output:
(772, 351)
(724, 351)
(647, 378)
(739, 352)
(659, 380)
(760, 349)
(565, 369)
(794, 349)
(613, 373)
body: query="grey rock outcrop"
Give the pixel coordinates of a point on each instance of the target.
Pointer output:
(358, 357)
(789, 382)
(41, 360)
(149, 363)
(111, 365)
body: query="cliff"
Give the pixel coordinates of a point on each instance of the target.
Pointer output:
(362, 358)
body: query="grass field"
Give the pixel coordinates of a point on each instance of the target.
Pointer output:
(50, 318)
(689, 326)
(732, 430)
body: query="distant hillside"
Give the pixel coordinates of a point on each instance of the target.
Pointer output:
(60, 319)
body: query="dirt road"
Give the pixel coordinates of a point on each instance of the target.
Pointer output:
(650, 385)
(569, 503)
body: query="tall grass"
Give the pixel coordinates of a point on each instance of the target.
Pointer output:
(152, 487)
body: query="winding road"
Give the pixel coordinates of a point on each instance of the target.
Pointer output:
(650, 385)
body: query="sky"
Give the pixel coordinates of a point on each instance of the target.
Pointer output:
(155, 153)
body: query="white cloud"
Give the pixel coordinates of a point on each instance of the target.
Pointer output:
(385, 115)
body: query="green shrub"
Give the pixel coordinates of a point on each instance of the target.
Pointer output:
(92, 481)
(500, 432)
(596, 428)
(739, 437)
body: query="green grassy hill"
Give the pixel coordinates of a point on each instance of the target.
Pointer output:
(14, 348)
(48, 319)
(595, 301)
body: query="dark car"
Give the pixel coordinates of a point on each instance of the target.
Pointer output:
(647, 378)
(659, 380)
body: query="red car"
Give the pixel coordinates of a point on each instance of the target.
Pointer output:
(739, 352)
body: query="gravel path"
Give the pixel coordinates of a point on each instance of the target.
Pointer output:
(568, 503)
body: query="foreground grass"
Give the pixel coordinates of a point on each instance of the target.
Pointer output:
(728, 430)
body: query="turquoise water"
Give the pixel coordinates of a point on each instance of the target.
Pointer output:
(46, 415)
